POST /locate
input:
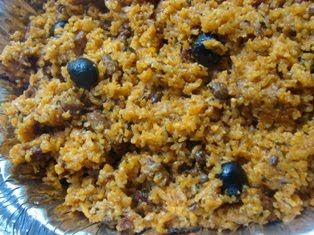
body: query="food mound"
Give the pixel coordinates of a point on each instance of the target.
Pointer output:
(168, 114)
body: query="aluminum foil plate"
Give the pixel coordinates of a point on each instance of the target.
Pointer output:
(27, 206)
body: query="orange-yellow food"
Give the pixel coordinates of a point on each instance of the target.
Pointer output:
(127, 146)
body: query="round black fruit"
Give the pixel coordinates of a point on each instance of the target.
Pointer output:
(233, 178)
(83, 72)
(201, 54)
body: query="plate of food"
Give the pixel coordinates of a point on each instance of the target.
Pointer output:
(157, 117)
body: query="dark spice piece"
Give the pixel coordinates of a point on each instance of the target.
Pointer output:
(80, 43)
(30, 92)
(101, 5)
(95, 118)
(125, 224)
(203, 178)
(311, 10)
(194, 206)
(220, 90)
(186, 55)
(37, 155)
(216, 114)
(140, 196)
(111, 65)
(200, 157)
(156, 97)
(273, 161)
(125, 32)
(74, 107)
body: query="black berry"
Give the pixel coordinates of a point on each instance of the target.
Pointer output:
(233, 178)
(58, 24)
(83, 72)
(201, 54)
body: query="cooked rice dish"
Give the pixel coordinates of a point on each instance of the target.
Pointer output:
(171, 114)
